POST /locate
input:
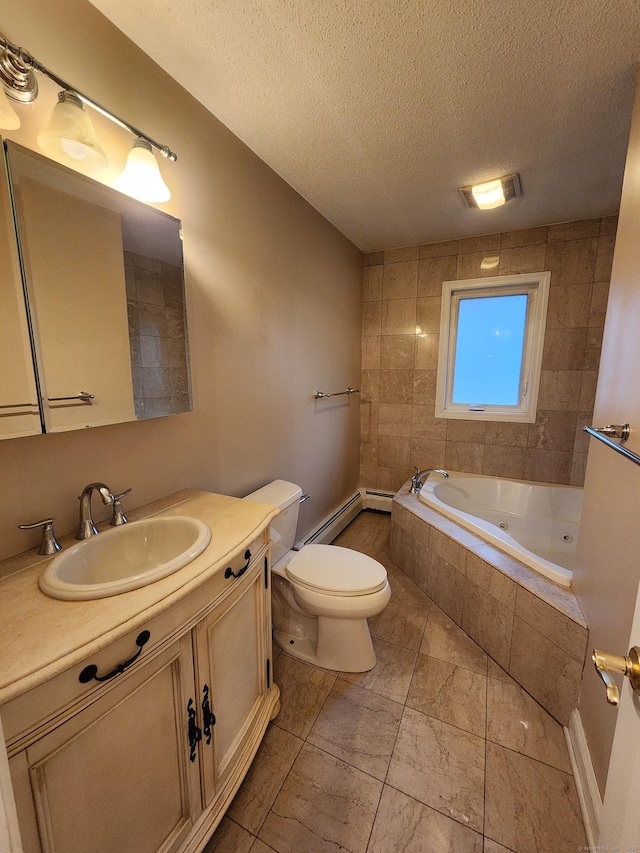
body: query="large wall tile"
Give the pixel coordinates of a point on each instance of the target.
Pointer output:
(545, 671)
(401, 324)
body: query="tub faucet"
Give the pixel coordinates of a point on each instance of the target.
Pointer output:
(417, 481)
(86, 527)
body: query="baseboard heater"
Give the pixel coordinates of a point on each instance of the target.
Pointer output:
(328, 529)
(375, 499)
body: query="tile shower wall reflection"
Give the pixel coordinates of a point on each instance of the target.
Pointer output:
(156, 308)
(400, 336)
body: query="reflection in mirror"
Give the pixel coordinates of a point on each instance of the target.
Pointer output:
(103, 275)
(19, 413)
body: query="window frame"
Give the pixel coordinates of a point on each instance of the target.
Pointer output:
(536, 287)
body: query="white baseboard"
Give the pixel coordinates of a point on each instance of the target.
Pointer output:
(584, 774)
(325, 532)
(376, 499)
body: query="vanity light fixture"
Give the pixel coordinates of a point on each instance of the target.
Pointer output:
(141, 176)
(491, 194)
(8, 116)
(70, 136)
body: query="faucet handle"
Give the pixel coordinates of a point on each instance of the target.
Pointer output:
(118, 516)
(49, 544)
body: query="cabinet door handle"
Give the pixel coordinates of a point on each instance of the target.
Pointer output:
(208, 717)
(89, 673)
(229, 573)
(195, 734)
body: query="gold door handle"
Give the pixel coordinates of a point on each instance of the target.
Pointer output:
(606, 663)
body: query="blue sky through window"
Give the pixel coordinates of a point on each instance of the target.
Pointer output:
(489, 350)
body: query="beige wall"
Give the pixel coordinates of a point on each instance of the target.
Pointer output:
(402, 290)
(273, 302)
(608, 571)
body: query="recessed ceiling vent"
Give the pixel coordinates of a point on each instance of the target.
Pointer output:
(511, 187)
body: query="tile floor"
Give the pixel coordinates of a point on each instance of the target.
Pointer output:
(436, 749)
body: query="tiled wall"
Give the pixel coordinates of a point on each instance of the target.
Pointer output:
(402, 290)
(156, 306)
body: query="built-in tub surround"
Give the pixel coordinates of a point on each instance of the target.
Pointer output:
(400, 336)
(529, 625)
(535, 523)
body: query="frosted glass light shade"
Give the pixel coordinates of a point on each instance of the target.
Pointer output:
(70, 136)
(8, 117)
(141, 176)
(488, 195)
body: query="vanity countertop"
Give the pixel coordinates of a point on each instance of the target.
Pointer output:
(41, 636)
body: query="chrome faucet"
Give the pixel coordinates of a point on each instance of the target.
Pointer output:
(417, 481)
(86, 527)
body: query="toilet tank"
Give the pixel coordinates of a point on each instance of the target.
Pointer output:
(286, 496)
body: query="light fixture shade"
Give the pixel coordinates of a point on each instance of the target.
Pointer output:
(489, 194)
(141, 176)
(70, 136)
(8, 117)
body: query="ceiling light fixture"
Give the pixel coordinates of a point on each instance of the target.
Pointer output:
(490, 262)
(488, 195)
(141, 176)
(491, 194)
(19, 82)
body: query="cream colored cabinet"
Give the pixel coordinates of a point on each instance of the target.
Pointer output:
(232, 659)
(148, 760)
(117, 775)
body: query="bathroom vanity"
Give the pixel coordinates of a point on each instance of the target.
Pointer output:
(130, 721)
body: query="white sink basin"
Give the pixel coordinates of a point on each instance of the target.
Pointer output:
(125, 558)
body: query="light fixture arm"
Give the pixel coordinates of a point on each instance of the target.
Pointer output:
(14, 68)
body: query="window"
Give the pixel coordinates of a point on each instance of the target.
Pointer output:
(491, 337)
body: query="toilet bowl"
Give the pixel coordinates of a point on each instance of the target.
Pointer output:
(322, 595)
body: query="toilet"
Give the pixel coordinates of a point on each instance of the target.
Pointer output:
(322, 595)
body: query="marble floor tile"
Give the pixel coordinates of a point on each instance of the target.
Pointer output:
(530, 807)
(359, 727)
(325, 805)
(401, 622)
(229, 838)
(445, 640)
(266, 775)
(303, 689)
(261, 847)
(441, 766)
(391, 676)
(490, 846)
(404, 825)
(516, 721)
(450, 693)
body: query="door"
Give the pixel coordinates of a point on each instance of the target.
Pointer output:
(608, 560)
(231, 655)
(117, 776)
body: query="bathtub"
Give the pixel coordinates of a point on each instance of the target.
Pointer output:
(536, 524)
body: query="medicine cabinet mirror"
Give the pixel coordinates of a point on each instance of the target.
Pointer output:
(105, 312)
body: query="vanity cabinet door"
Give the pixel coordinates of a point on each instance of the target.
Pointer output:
(117, 776)
(232, 649)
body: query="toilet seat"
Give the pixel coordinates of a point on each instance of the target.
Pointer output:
(338, 571)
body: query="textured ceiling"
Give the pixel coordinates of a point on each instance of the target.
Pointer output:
(377, 110)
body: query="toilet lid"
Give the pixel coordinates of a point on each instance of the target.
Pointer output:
(336, 571)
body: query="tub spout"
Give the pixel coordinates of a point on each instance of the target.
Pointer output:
(417, 481)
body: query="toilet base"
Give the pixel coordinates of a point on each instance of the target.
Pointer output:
(342, 645)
